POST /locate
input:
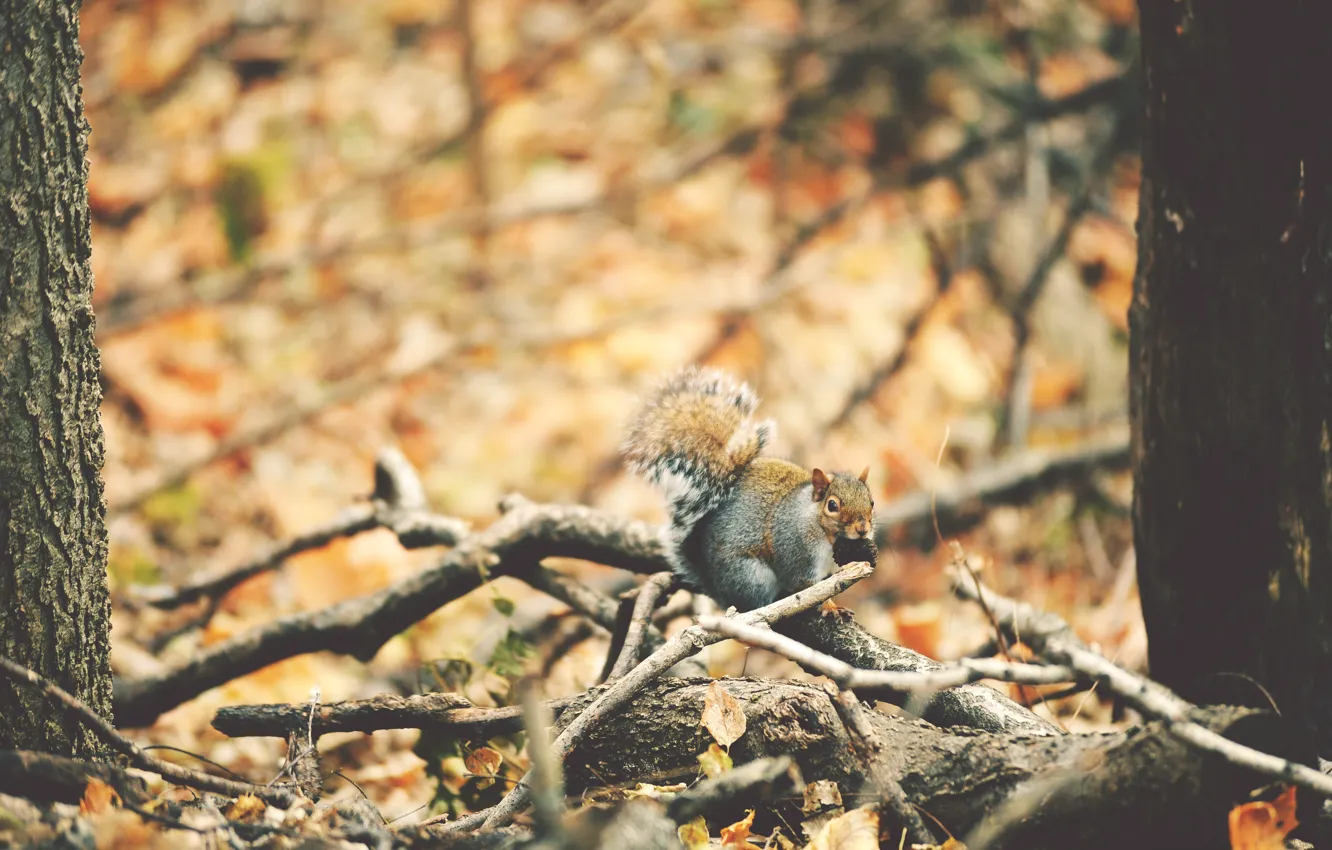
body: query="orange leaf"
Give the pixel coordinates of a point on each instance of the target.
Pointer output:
(1262, 825)
(857, 134)
(737, 834)
(98, 797)
(485, 763)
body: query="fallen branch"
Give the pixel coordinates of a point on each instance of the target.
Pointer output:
(1140, 787)
(748, 785)
(47, 778)
(868, 745)
(967, 705)
(1051, 638)
(137, 757)
(687, 643)
(398, 503)
(359, 627)
(1011, 479)
(514, 545)
(447, 712)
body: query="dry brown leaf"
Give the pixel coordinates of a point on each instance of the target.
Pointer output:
(723, 716)
(484, 763)
(693, 835)
(247, 809)
(737, 834)
(714, 762)
(1262, 825)
(820, 795)
(655, 792)
(858, 829)
(98, 797)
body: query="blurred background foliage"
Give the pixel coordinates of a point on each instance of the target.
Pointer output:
(478, 229)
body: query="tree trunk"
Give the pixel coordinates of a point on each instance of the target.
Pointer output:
(54, 607)
(1231, 354)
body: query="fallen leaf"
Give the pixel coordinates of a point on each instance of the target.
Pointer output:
(1262, 825)
(821, 795)
(723, 716)
(693, 835)
(485, 763)
(714, 762)
(655, 792)
(858, 829)
(98, 797)
(737, 834)
(247, 809)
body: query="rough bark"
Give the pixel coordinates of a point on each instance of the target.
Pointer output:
(1231, 355)
(54, 606)
(1143, 786)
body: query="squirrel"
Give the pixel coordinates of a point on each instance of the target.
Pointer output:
(745, 529)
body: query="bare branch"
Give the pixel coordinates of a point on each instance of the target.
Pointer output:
(136, 755)
(640, 621)
(360, 626)
(848, 678)
(1017, 406)
(687, 643)
(398, 504)
(1008, 480)
(869, 745)
(1051, 638)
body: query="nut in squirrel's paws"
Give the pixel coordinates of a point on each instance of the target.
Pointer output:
(848, 551)
(830, 608)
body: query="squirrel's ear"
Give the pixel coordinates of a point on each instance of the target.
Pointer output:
(821, 483)
(864, 476)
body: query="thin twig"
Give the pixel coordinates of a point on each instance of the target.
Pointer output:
(641, 620)
(869, 388)
(689, 642)
(1007, 480)
(1017, 406)
(475, 134)
(547, 771)
(849, 678)
(360, 626)
(1052, 638)
(870, 747)
(137, 756)
(398, 504)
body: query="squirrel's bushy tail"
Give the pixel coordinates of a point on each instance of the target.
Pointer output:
(692, 438)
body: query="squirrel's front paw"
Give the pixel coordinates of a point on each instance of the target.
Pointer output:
(831, 609)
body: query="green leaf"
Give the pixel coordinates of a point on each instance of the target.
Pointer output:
(504, 606)
(507, 660)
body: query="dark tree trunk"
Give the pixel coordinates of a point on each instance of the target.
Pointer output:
(54, 607)
(1231, 353)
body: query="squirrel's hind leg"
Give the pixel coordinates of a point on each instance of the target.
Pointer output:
(746, 583)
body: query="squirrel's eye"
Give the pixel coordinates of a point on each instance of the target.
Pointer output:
(871, 504)
(832, 506)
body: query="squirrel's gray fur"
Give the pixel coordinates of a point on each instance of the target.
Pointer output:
(744, 529)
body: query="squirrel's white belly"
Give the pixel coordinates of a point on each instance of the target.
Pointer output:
(823, 561)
